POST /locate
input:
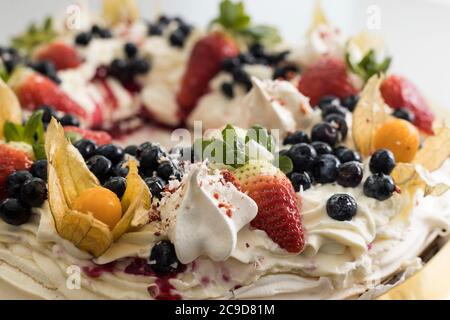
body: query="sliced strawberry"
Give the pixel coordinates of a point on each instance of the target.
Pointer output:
(11, 160)
(63, 55)
(328, 76)
(35, 90)
(205, 63)
(399, 92)
(278, 206)
(99, 137)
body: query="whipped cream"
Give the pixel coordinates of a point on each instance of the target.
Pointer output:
(215, 110)
(204, 216)
(325, 39)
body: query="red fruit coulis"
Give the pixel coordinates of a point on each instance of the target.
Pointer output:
(95, 271)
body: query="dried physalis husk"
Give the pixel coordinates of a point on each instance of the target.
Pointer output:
(136, 203)
(68, 177)
(120, 11)
(369, 115)
(10, 109)
(413, 176)
(319, 17)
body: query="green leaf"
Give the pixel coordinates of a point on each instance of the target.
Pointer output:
(34, 128)
(3, 72)
(260, 135)
(39, 151)
(34, 36)
(368, 66)
(267, 35)
(284, 163)
(73, 136)
(232, 16)
(13, 132)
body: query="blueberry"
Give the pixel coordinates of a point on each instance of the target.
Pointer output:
(327, 100)
(405, 114)
(227, 89)
(69, 120)
(104, 33)
(47, 69)
(130, 50)
(257, 50)
(296, 137)
(112, 152)
(346, 155)
(164, 20)
(325, 132)
(382, 161)
(350, 102)
(119, 69)
(100, 166)
(95, 29)
(166, 170)
(116, 185)
(39, 169)
(379, 186)
(15, 181)
(302, 156)
(48, 113)
(333, 109)
(13, 212)
(155, 30)
(279, 73)
(277, 58)
(246, 58)
(342, 207)
(188, 154)
(339, 123)
(155, 185)
(177, 38)
(350, 174)
(86, 147)
(163, 258)
(83, 38)
(230, 64)
(325, 169)
(240, 76)
(185, 28)
(300, 180)
(141, 148)
(120, 170)
(139, 66)
(322, 148)
(150, 157)
(131, 150)
(33, 192)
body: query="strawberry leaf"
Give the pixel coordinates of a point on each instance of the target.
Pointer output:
(368, 66)
(13, 132)
(260, 135)
(234, 19)
(284, 163)
(35, 36)
(4, 75)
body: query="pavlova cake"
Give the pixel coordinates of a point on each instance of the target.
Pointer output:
(317, 173)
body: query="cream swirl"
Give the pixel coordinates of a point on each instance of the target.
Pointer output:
(204, 216)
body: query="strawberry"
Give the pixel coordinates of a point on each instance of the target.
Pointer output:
(11, 160)
(99, 137)
(205, 63)
(399, 92)
(278, 207)
(228, 176)
(63, 56)
(328, 76)
(35, 90)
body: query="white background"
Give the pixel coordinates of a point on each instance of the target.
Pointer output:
(417, 31)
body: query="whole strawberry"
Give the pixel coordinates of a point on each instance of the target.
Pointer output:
(278, 205)
(204, 64)
(328, 76)
(399, 92)
(63, 55)
(11, 160)
(35, 90)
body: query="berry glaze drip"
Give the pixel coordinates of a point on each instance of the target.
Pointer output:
(95, 271)
(162, 290)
